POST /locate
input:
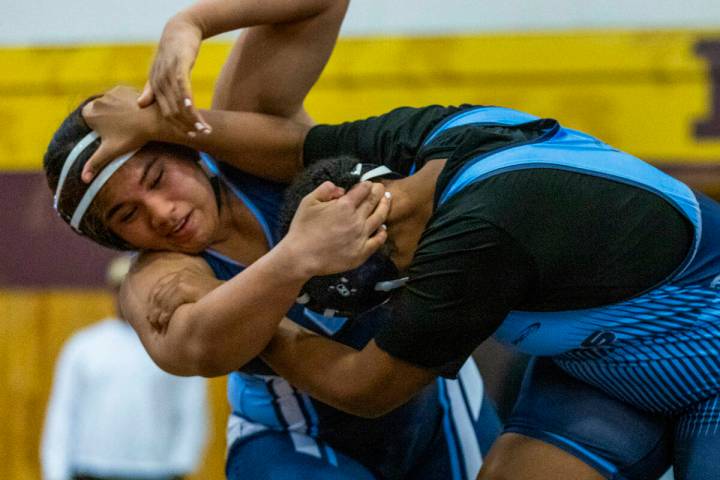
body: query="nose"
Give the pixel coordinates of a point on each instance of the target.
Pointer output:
(162, 213)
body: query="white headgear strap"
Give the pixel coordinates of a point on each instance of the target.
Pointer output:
(95, 187)
(374, 173)
(97, 183)
(70, 160)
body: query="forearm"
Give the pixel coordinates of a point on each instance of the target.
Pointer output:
(329, 369)
(239, 318)
(212, 17)
(226, 327)
(272, 69)
(263, 145)
(366, 383)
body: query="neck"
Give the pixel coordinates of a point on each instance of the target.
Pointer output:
(239, 234)
(412, 205)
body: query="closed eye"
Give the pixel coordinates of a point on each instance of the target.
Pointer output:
(157, 179)
(129, 215)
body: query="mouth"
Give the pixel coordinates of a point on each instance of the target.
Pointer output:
(181, 230)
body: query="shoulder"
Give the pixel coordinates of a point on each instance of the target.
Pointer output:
(403, 128)
(150, 265)
(148, 269)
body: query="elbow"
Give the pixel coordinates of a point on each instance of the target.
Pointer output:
(206, 360)
(194, 358)
(206, 352)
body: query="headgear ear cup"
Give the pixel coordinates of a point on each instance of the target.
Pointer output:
(354, 292)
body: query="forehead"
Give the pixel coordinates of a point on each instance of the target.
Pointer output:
(127, 180)
(127, 176)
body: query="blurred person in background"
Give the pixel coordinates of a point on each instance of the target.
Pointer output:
(113, 414)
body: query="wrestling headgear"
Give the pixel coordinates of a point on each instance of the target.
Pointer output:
(364, 288)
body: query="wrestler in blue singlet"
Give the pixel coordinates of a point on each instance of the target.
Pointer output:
(633, 385)
(278, 432)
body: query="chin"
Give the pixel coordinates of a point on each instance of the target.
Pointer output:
(196, 246)
(190, 249)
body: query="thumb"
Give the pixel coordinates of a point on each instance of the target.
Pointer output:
(327, 191)
(147, 97)
(96, 162)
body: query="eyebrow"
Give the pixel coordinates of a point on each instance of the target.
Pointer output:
(148, 166)
(146, 170)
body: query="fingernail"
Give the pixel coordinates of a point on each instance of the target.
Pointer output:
(383, 226)
(388, 195)
(187, 102)
(191, 134)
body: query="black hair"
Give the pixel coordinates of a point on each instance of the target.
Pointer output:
(71, 131)
(338, 170)
(347, 293)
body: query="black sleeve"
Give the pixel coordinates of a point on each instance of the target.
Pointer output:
(466, 276)
(392, 139)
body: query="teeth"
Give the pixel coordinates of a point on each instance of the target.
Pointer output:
(179, 226)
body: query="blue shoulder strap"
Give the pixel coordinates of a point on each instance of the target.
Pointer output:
(486, 115)
(264, 199)
(571, 150)
(477, 115)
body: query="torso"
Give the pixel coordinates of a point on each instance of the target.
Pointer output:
(623, 265)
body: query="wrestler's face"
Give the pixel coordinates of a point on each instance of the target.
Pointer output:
(160, 201)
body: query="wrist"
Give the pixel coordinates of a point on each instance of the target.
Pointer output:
(295, 263)
(158, 129)
(191, 20)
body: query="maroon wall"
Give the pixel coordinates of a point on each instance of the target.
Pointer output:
(37, 249)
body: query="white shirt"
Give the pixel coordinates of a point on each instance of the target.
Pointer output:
(112, 411)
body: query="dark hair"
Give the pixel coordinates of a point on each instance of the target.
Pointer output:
(71, 131)
(337, 170)
(347, 293)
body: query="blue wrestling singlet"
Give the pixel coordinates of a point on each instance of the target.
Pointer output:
(652, 360)
(278, 432)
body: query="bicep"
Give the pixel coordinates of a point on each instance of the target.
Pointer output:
(272, 67)
(393, 139)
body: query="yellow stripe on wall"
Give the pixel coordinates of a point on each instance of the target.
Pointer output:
(640, 91)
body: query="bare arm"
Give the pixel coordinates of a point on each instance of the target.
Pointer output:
(201, 339)
(269, 71)
(367, 383)
(266, 146)
(273, 66)
(232, 323)
(263, 145)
